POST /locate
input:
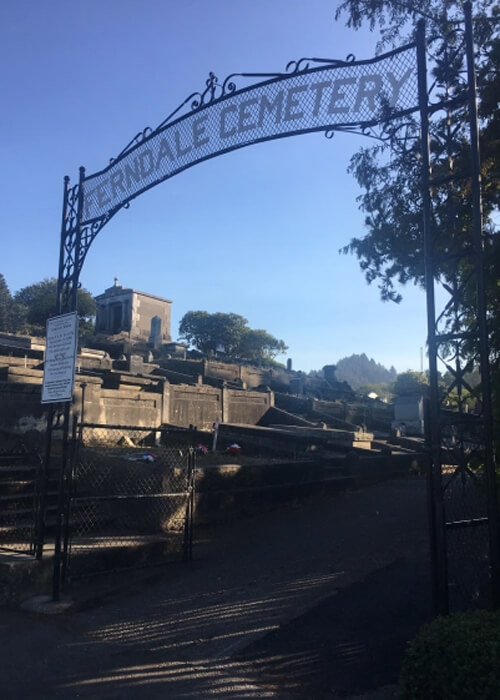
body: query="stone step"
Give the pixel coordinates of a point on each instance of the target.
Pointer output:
(21, 469)
(13, 485)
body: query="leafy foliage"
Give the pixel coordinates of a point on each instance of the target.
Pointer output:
(229, 333)
(391, 251)
(454, 658)
(259, 346)
(395, 19)
(34, 304)
(211, 332)
(411, 382)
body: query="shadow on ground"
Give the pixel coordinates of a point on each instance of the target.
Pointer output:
(317, 600)
(352, 642)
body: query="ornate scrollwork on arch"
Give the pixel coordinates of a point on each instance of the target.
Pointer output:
(215, 90)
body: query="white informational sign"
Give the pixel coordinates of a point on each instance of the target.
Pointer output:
(60, 358)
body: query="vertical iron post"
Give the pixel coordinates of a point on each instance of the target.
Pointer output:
(67, 500)
(190, 502)
(487, 408)
(78, 244)
(52, 411)
(62, 246)
(67, 297)
(432, 424)
(44, 485)
(83, 386)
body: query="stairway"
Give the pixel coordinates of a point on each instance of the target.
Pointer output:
(20, 480)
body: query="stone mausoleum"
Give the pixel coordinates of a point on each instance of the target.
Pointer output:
(142, 316)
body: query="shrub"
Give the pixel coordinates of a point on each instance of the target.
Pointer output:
(454, 658)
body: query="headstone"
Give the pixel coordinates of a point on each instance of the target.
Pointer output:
(409, 415)
(155, 333)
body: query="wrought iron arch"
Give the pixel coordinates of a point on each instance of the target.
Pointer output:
(379, 98)
(311, 95)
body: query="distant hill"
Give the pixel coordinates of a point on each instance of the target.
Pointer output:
(358, 371)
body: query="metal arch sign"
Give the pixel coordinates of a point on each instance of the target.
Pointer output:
(333, 95)
(313, 94)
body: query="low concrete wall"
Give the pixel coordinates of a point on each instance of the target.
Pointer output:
(294, 404)
(20, 407)
(20, 361)
(231, 372)
(245, 406)
(195, 405)
(192, 368)
(375, 414)
(226, 492)
(123, 406)
(221, 370)
(203, 405)
(370, 412)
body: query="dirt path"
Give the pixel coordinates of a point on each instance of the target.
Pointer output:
(304, 602)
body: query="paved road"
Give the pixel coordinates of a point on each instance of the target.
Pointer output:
(310, 601)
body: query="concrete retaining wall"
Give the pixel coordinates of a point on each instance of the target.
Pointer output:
(245, 406)
(195, 405)
(117, 399)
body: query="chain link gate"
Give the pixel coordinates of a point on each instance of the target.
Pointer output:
(130, 499)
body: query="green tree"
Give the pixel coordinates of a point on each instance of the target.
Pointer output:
(230, 334)
(410, 382)
(390, 250)
(34, 304)
(196, 330)
(211, 332)
(227, 332)
(260, 346)
(5, 306)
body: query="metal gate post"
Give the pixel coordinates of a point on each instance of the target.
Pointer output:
(61, 504)
(191, 485)
(432, 424)
(487, 408)
(67, 296)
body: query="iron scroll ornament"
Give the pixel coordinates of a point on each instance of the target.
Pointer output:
(312, 95)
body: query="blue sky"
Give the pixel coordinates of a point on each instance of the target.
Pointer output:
(255, 232)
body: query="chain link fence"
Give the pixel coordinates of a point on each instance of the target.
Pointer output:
(20, 474)
(131, 498)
